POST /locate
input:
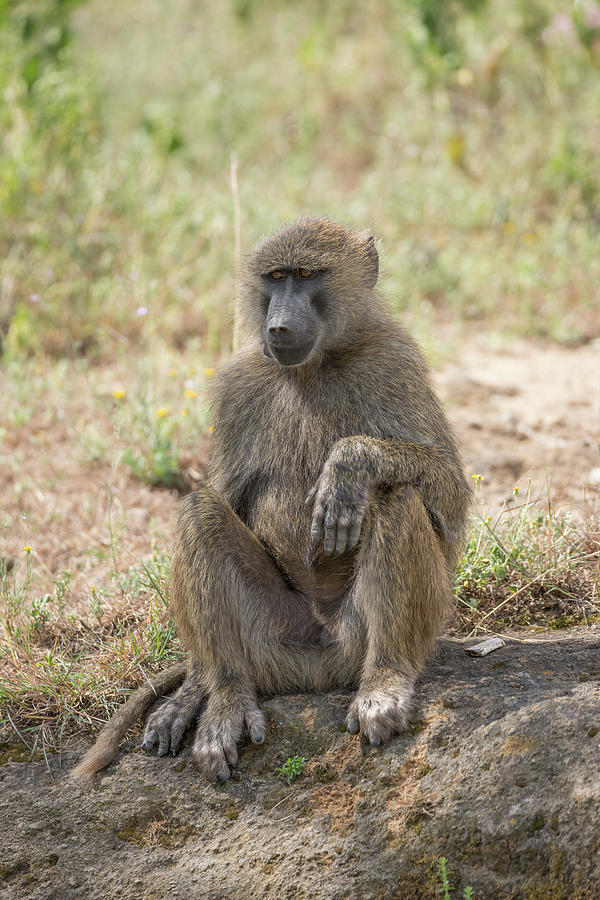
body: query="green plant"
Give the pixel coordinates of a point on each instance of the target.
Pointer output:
(445, 888)
(292, 767)
(157, 464)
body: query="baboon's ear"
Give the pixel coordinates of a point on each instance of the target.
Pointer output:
(373, 259)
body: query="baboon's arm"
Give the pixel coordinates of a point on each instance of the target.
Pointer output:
(359, 465)
(107, 745)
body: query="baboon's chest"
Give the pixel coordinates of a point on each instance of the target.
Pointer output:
(283, 456)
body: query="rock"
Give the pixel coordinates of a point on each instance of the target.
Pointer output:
(498, 774)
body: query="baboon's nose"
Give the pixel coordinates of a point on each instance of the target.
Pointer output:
(278, 331)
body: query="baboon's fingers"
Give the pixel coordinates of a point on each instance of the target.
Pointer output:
(312, 494)
(316, 528)
(342, 536)
(355, 529)
(330, 532)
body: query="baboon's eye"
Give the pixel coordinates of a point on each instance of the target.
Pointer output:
(276, 276)
(305, 273)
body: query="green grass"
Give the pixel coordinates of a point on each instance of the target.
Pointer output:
(63, 675)
(467, 141)
(528, 566)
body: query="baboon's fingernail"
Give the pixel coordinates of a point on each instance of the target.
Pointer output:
(373, 742)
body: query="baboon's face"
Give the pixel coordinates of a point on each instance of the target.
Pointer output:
(293, 301)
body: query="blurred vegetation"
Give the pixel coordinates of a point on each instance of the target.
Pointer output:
(464, 134)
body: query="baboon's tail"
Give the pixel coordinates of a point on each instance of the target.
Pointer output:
(106, 747)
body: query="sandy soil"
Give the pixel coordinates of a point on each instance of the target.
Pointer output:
(521, 412)
(528, 412)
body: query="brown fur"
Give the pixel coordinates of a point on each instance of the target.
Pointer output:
(107, 743)
(262, 602)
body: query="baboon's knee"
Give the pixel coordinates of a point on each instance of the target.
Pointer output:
(202, 513)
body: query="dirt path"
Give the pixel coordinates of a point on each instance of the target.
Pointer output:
(528, 412)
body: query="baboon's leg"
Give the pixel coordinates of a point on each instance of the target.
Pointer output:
(245, 629)
(402, 593)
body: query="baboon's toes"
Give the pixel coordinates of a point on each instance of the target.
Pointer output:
(167, 726)
(380, 713)
(215, 746)
(352, 723)
(150, 739)
(256, 725)
(213, 761)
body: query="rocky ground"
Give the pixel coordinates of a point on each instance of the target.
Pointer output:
(499, 775)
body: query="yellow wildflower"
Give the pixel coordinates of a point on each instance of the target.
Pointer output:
(211, 428)
(464, 77)
(185, 412)
(172, 373)
(508, 228)
(27, 548)
(161, 412)
(191, 394)
(529, 238)
(208, 373)
(119, 393)
(478, 477)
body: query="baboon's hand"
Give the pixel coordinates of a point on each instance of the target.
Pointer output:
(341, 497)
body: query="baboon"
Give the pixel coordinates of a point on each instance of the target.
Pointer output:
(319, 552)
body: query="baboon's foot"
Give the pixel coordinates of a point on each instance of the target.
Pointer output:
(220, 728)
(167, 726)
(380, 712)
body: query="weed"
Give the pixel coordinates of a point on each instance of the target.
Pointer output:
(157, 464)
(73, 686)
(292, 767)
(445, 888)
(526, 563)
